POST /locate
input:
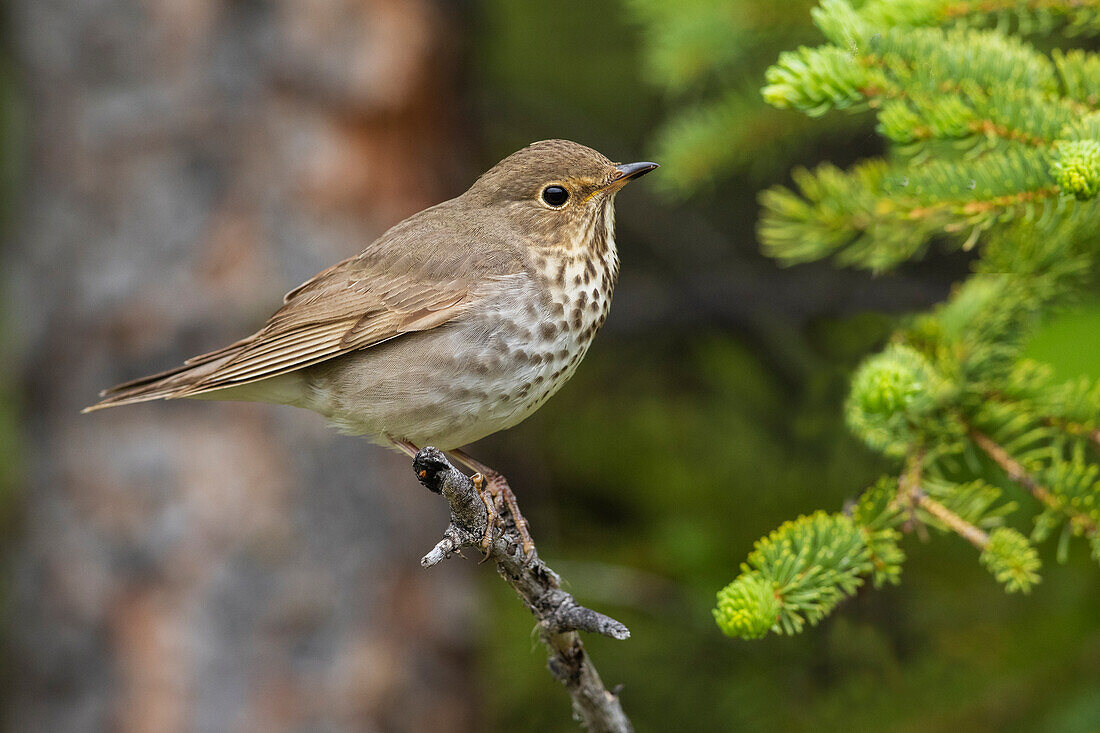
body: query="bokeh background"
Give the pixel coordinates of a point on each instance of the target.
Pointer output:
(171, 167)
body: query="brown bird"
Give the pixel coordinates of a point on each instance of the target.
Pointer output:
(459, 321)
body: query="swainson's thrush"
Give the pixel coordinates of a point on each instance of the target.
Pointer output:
(458, 322)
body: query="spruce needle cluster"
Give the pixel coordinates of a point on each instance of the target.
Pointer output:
(993, 145)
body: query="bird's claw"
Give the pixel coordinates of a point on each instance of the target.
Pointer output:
(495, 499)
(493, 515)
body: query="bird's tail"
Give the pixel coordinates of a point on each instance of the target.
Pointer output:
(183, 381)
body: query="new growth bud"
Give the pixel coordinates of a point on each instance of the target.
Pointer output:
(889, 392)
(1076, 168)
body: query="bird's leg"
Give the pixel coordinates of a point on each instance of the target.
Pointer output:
(404, 446)
(487, 497)
(498, 489)
(492, 506)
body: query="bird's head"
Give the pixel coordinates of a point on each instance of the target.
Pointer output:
(557, 193)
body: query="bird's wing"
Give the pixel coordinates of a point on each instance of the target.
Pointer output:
(423, 273)
(351, 306)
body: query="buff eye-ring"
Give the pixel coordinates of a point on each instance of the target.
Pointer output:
(555, 196)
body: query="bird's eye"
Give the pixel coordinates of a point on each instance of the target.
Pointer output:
(555, 196)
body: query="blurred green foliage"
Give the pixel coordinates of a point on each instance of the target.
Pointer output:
(651, 474)
(563, 71)
(707, 58)
(1070, 343)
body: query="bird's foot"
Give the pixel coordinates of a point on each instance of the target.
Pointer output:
(502, 496)
(493, 520)
(505, 493)
(496, 494)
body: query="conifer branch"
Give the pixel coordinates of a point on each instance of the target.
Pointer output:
(1018, 474)
(1012, 468)
(954, 10)
(910, 494)
(1075, 428)
(1077, 17)
(954, 522)
(993, 143)
(1005, 552)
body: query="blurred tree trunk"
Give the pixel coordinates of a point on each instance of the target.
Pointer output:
(208, 566)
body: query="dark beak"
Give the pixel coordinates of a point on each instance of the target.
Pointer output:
(626, 172)
(630, 171)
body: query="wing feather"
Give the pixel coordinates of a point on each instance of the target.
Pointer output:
(333, 318)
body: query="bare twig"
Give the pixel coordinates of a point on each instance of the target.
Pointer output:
(559, 615)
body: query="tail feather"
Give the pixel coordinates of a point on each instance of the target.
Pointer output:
(181, 381)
